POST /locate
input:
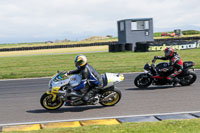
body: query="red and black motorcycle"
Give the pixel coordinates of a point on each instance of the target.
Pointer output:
(153, 75)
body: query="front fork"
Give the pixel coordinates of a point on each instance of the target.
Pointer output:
(54, 92)
(53, 95)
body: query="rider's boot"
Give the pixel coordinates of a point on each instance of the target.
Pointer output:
(176, 81)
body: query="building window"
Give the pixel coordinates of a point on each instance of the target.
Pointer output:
(146, 25)
(134, 26)
(121, 26)
(140, 25)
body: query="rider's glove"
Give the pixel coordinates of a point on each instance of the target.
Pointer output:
(155, 57)
(68, 73)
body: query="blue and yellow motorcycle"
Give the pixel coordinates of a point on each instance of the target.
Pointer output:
(61, 91)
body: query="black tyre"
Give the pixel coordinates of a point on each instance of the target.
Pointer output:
(188, 80)
(142, 81)
(47, 103)
(110, 97)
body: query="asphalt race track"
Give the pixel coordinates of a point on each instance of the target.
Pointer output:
(20, 101)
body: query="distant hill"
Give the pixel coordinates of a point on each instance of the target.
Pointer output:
(94, 38)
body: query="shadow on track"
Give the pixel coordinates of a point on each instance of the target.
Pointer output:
(152, 88)
(67, 109)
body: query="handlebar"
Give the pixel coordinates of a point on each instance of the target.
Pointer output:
(63, 73)
(154, 60)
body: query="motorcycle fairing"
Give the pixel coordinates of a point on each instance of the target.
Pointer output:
(75, 80)
(158, 77)
(113, 78)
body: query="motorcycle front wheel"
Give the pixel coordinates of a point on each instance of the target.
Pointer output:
(142, 81)
(110, 97)
(47, 103)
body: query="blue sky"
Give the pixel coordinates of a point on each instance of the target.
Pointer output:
(43, 20)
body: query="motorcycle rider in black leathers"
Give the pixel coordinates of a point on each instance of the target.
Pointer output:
(90, 77)
(175, 64)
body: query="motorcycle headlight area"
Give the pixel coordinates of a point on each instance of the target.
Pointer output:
(50, 84)
(146, 68)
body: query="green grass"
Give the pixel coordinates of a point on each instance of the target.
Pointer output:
(168, 37)
(168, 126)
(190, 32)
(186, 33)
(47, 65)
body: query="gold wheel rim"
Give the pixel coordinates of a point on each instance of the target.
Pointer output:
(51, 107)
(115, 100)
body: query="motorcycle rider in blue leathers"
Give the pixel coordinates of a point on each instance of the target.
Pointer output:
(90, 77)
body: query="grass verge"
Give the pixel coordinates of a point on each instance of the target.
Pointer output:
(168, 126)
(47, 65)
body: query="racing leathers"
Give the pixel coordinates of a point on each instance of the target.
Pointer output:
(89, 77)
(175, 65)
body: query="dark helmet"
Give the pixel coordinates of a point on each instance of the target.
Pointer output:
(169, 52)
(80, 61)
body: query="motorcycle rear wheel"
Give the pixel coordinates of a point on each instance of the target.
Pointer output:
(47, 103)
(142, 81)
(112, 100)
(185, 82)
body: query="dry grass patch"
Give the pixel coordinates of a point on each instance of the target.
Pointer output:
(54, 51)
